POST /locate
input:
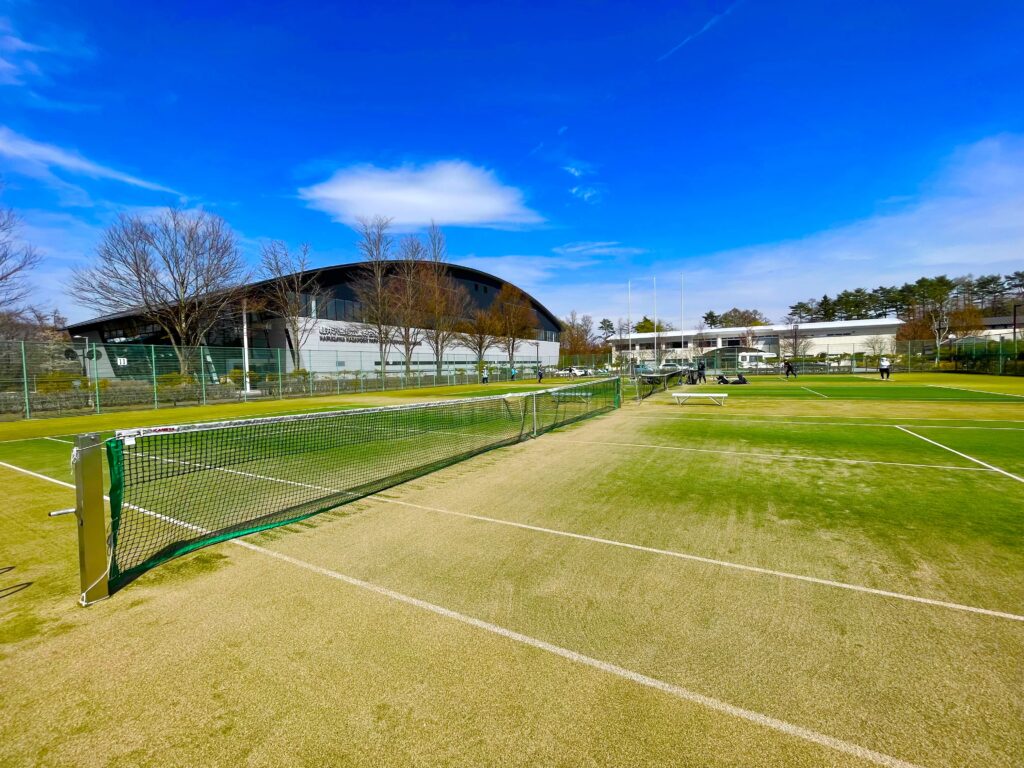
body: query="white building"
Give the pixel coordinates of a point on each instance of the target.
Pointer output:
(833, 338)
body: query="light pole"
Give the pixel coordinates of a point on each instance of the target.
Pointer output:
(629, 287)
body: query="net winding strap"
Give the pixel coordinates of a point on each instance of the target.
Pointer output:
(177, 488)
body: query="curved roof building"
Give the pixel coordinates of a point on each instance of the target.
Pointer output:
(338, 333)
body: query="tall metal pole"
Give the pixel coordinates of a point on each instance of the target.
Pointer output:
(657, 361)
(682, 317)
(629, 320)
(245, 347)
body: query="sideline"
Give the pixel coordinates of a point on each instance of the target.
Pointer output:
(676, 691)
(706, 560)
(964, 455)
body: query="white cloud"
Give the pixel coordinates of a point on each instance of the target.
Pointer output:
(450, 192)
(707, 25)
(588, 194)
(572, 170)
(598, 248)
(39, 160)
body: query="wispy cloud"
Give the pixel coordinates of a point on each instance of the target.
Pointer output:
(38, 160)
(451, 192)
(26, 66)
(967, 219)
(532, 273)
(588, 193)
(694, 35)
(598, 248)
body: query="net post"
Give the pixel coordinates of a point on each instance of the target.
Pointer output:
(89, 511)
(534, 398)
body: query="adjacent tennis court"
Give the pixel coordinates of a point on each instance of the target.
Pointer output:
(800, 578)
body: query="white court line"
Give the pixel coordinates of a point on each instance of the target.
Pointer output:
(964, 455)
(813, 392)
(783, 456)
(707, 560)
(740, 420)
(727, 417)
(676, 691)
(58, 440)
(978, 391)
(611, 542)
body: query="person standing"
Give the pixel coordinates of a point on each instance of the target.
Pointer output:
(884, 368)
(790, 369)
(702, 375)
(513, 372)
(540, 374)
(484, 375)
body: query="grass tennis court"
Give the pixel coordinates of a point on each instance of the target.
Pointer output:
(827, 571)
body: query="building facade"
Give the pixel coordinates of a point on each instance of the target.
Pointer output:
(336, 340)
(833, 338)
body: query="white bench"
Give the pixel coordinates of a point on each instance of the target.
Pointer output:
(718, 398)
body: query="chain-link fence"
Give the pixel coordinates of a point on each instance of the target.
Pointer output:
(976, 355)
(56, 378)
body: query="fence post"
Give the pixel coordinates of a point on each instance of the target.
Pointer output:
(89, 511)
(534, 398)
(202, 372)
(280, 390)
(24, 381)
(96, 375)
(152, 365)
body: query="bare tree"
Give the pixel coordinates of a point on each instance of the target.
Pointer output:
(514, 319)
(749, 337)
(17, 259)
(793, 343)
(292, 291)
(179, 269)
(408, 297)
(479, 334)
(876, 345)
(446, 304)
(578, 334)
(372, 284)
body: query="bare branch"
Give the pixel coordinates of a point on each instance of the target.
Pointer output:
(17, 259)
(180, 270)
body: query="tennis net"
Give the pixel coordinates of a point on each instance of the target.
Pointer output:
(174, 489)
(649, 383)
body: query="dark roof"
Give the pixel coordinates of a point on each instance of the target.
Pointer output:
(337, 271)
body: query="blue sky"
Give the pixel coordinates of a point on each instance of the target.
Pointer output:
(769, 151)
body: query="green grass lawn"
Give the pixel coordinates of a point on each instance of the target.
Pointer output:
(807, 583)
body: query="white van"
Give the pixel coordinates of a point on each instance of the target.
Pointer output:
(758, 361)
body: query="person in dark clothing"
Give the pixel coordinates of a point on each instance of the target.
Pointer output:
(540, 374)
(701, 372)
(741, 379)
(790, 370)
(721, 379)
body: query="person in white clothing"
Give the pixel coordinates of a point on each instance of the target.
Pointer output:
(884, 368)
